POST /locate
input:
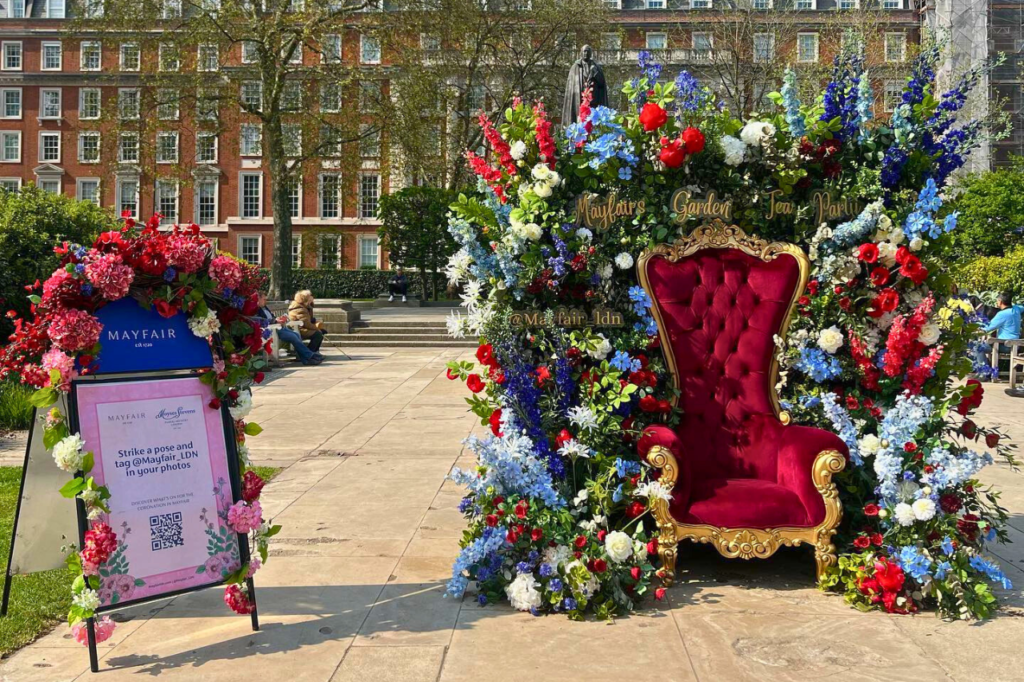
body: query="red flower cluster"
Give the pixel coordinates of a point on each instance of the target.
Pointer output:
(652, 116)
(675, 152)
(902, 345)
(499, 145)
(252, 486)
(491, 175)
(911, 266)
(100, 543)
(542, 129)
(885, 586)
(237, 599)
(971, 401)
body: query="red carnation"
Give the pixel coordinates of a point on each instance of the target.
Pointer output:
(694, 140)
(652, 117)
(474, 383)
(252, 486)
(868, 252)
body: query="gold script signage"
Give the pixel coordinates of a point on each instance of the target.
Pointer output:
(826, 208)
(569, 318)
(600, 212)
(684, 205)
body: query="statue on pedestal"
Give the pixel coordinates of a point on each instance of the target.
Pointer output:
(584, 73)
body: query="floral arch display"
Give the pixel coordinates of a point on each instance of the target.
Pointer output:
(565, 510)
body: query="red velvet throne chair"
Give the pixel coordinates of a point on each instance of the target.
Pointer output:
(741, 477)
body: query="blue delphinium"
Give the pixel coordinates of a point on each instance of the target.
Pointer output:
(865, 99)
(899, 425)
(650, 69)
(791, 103)
(843, 425)
(483, 549)
(991, 570)
(523, 397)
(817, 364)
(690, 96)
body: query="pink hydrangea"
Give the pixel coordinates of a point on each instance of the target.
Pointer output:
(73, 330)
(186, 253)
(100, 543)
(104, 629)
(254, 565)
(61, 283)
(226, 272)
(244, 517)
(56, 359)
(110, 276)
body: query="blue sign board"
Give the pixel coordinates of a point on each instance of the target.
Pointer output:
(138, 340)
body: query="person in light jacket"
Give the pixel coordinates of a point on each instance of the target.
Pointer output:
(311, 331)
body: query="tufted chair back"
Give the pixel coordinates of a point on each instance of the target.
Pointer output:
(719, 298)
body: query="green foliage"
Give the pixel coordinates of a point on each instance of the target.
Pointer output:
(347, 283)
(414, 230)
(15, 408)
(994, 273)
(991, 208)
(32, 222)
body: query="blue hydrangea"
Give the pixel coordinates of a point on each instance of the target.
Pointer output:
(899, 424)
(916, 564)
(817, 364)
(483, 549)
(843, 425)
(555, 585)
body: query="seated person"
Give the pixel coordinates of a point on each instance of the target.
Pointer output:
(398, 284)
(301, 310)
(286, 334)
(1006, 325)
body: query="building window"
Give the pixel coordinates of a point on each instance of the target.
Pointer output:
(892, 4)
(369, 195)
(701, 41)
(764, 47)
(208, 57)
(88, 103)
(128, 198)
(53, 56)
(807, 47)
(16, 9)
(49, 103)
(10, 184)
(251, 195)
(476, 99)
(170, 9)
(296, 55)
(847, 4)
(367, 252)
(91, 57)
(369, 50)
(131, 57)
(249, 248)
(206, 106)
(49, 185)
(128, 104)
(89, 147)
(206, 202)
(206, 147)
(167, 102)
(251, 140)
(291, 96)
(330, 141)
(92, 9)
(430, 43)
(330, 195)
(166, 201)
(655, 4)
(169, 59)
(611, 42)
(330, 252)
(805, 4)
(10, 147)
(657, 41)
(892, 95)
(296, 250)
(895, 47)
(12, 102)
(369, 142)
(294, 189)
(49, 147)
(761, 4)
(89, 190)
(291, 134)
(700, 4)
(252, 95)
(54, 9)
(128, 148)
(167, 147)
(250, 52)
(330, 98)
(613, 4)
(331, 49)
(12, 55)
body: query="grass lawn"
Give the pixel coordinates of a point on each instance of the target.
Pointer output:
(15, 412)
(40, 600)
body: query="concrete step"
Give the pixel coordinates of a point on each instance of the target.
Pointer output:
(348, 341)
(411, 329)
(382, 323)
(424, 338)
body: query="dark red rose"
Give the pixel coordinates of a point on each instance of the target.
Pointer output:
(868, 252)
(652, 117)
(537, 534)
(664, 406)
(812, 287)
(497, 500)
(852, 403)
(252, 486)
(862, 542)
(969, 429)
(512, 537)
(649, 403)
(580, 541)
(215, 403)
(950, 503)
(522, 507)
(968, 527)
(845, 302)
(600, 565)
(971, 400)
(871, 509)
(877, 539)
(491, 520)
(475, 383)
(992, 439)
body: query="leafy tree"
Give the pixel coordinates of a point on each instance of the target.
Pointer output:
(991, 206)
(32, 222)
(414, 230)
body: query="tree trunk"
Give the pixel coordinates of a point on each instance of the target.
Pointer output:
(281, 265)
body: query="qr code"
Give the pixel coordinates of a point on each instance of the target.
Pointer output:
(165, 531)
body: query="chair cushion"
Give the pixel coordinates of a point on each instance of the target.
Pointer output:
(740, 503)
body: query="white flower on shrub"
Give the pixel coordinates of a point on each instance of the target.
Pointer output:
(916, 244)
(67, 453)
(87, 599)
(930, 334)
(206, 326)
(624, 261)
(904, 514)
(757, 133)
(583, 418)
(522, 592)
(734, 149)
(242, 406)
(618, 546)
(868, 445)
(830, 340)
(924, 509)
(557, 556)
(518, 150)
(542, 189)
(602, 350)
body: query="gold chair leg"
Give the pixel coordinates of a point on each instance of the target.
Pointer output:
(667, 553)
(825, 558)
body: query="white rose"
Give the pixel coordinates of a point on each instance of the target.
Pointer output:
(618, 546)
(522, 592)
(554, 179)
(518, 150)
(904, 514)
(885, 223)
(624, 261)
(541, 172)
(756, 133)
(924, 509)
(830, 340)
(640, 550)
(242, 407)
(887, 254)
(542, 189)
(896, 236)
(930, 334)
(602, 350)
(532, 231)
(67, 453)
(869, 444)
(606, 271)
(916, 244)
(734, 150)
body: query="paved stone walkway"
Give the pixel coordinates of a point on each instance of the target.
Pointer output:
(353, 589)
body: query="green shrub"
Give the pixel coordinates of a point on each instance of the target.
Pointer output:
(15, 411)
(994, 273)
(991, 208)
(347, 283)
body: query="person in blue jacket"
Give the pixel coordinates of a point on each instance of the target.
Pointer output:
(1005, 324)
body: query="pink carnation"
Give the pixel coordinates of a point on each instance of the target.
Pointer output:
(104, 629)
(73, 330)
(110, 276)
(63, 363)
(244, 517)
(226, 272)
(186, 253)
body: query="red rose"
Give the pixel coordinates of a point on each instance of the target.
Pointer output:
(862, 542)
(652, 547)
(649, 403)
(672, 153)
(659, 593)
(968, 527)
(635, 573)
(215, 403)
(880, 276)
(475, 383)
(497, 500)
(495, 421)
(845, 302)
(868, 252)
(652, 117)
(871, 509)
(969, 429)
(252, 486)
(852, 403)
(910, 446)
(601, 534)
(522, 507)
(165, 309)
(491, 520)
(511, 537)
(664, 406)
(563, 437)
(950, 503)
(635, 509)
(889, 575)
(971, 400)
(580, 541)
(600, 565)
(537, 534)
(694, 140)
(992, 440)
(258, 377)
(803, 300)
(877, 539)
(812, 287)
(451, 375)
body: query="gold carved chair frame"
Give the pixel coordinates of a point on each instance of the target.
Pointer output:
(744, 543)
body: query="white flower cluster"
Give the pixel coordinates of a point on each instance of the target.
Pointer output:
(457, 268)
(522, 231)
(757, 133)
(87, 600)
(921, 510)
(624, 261)
(572, 449)
(546, 180)
(655, 490)
(523, 593)
(242, 406)
(735, 150)
(67, 453)
(518, 150)
(206, 326)
(603, 349)
(583, 418)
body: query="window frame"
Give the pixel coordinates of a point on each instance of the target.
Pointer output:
(259, 248)
(902, 36)
(21, 103)
(82, 135)
(3, 146)
(364, 42)
(81, 103)
(205, 134)
(43, 92)
(329, 56)
(771, 47)
(42, 55)
(339, 197)
(98, 45)
(817, 47)
(43, 134)
(296, 249)
(242, 175)
(159, 149)
(21, 55)
(158, 198)
(258, 153)
(361, 207)
(647, 39)
(78, 189)
(119, 195)
(338, 242)
(138, 104)
(197, 205)
(202, 59)
(120, 146)
(121, 57)
(367, 239)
